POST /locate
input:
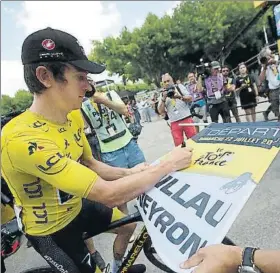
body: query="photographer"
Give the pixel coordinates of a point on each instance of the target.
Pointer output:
(174, 100)
(195, 89)
(215, 92)
(270, 72)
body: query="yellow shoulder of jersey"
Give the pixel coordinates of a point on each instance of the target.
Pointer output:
(19, 124)
(77, 116)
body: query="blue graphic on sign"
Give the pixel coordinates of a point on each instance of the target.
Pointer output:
(256, 134)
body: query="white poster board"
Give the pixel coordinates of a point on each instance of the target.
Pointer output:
(196, 207)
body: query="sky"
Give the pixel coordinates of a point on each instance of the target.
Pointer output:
(86, 20)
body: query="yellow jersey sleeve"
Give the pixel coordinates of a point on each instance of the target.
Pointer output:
(87, 154)
(47, 162)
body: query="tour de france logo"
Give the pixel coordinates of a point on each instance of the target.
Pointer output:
(238, 183)
(219, 158)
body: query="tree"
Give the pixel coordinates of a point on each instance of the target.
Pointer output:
(206, 26)
(6, 104)
(175, 43)
(21, 101)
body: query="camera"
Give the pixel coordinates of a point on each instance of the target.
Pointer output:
(89, 94)
(170, 89)
(203, 69)
(266, 55)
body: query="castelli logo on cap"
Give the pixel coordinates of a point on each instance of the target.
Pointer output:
(48, 44)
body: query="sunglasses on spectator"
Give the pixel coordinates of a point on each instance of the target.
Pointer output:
(166, 81)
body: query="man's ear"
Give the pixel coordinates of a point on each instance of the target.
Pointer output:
(44, 76)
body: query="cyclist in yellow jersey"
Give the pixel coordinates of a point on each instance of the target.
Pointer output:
(60, 190)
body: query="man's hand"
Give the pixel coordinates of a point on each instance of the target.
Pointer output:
(215, 259)
(164, 95)
(187, 98)
(179, 158)
(139, 168)
(99, 97)
(271, 61)
(177, 96)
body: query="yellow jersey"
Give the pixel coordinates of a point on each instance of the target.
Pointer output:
(40, 163)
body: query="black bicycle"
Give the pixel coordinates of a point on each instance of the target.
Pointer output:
(143, 241)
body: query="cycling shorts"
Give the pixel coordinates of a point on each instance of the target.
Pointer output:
(65, 250)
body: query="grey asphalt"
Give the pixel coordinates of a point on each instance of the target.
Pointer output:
(257, 225)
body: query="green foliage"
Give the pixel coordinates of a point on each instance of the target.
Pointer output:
(132, 87)
(21, 101)
(175, 43)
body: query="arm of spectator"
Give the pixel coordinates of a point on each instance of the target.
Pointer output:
(199, 86)
(186, 95)
(256, 89)
(161, 104)
(116, 104)
(262, 76)
(222, 258)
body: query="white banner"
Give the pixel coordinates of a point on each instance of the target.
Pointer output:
(183, 212)
(196, 207)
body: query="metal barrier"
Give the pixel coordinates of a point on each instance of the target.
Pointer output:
(258, 112)
(238, 106)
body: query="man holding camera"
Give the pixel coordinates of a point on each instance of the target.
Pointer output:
(215, 91)
(271, 73)
(174, 101)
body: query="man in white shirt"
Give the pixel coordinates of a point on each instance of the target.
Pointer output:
(177, 109)
(146, 110)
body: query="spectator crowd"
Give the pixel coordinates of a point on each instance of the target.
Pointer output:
(211, 95)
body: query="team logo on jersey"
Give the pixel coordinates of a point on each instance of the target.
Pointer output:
(48, 44)
(34, 147)
(63, 196)
(78, 137)
(52, 165)
(41, 125)
(66, 143)
(61, 130)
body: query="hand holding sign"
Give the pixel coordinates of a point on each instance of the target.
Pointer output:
(180, 158)
(215, 259)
